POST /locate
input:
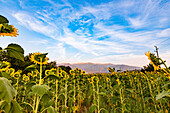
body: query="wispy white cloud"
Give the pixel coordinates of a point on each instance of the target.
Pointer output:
(38, 41)
(128, 59)
(144, 17)
(57, 52)
(32, 23)
(164, 33)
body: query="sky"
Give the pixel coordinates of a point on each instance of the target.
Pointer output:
(98, 31)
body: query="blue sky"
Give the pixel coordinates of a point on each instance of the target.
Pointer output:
(99, 31)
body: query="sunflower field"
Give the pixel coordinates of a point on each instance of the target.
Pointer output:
(36, 89)
(51, 91)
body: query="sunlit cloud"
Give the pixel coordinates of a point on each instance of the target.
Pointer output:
(108, 30)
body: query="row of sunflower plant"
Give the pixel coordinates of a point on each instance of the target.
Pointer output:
(77, 92)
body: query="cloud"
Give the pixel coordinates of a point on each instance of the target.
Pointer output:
(57, 52)
(164, 33)
(127, 59)
(38, 41)
(136, 22)
(34, 24)
(92, 29)
(165, 56)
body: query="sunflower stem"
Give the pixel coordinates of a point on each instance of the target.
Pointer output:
(40, 71)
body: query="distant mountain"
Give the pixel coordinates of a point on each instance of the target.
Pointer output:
(99, 68)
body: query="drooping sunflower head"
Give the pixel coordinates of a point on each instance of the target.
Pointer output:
(39, 58)
(12, 32)
(153, 60)
(4, 65)
(6, 29)
(148, 54)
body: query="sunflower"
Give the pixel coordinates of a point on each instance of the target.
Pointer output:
(26, 78)
(34, 73)
(53, 71)
(148, 54)
(29, 74)
(66, 76)
(59, 72)
(107, 79)
(39, 58)
(16, 75)
(12, 34)
(4, 65)
(10, 71)
(47, 72)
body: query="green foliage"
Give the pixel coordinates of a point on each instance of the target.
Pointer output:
(148, 68)
(65, 68)
(40, 90)
(3, 20)
(4, 74)
(12, 107)
(4, 27)
(15, 51)
(92, 108)
(163, 94)
(7, 91)
(76, 92)
(31, 67)
(51, 110)
(155, 60)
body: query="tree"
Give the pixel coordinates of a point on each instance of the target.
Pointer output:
(65, 68)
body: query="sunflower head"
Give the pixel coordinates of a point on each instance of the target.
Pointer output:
(66, 76)
(4, 65)
(34, 73)
(39, 58)
(59, 72)
(47, 72)
(83, 72)
(29, 74)
(153, 60)
(10, 71)
(16, 75)
(107, 79)
(71, 71)
(54, 71)
(26, 78)
(8, 30)
(148, 54)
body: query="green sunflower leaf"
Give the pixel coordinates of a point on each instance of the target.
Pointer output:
(3, 19)
(15, 51)
(7, 91)
(40, 90)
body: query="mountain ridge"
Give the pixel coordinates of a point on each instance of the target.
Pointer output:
(90, 67)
